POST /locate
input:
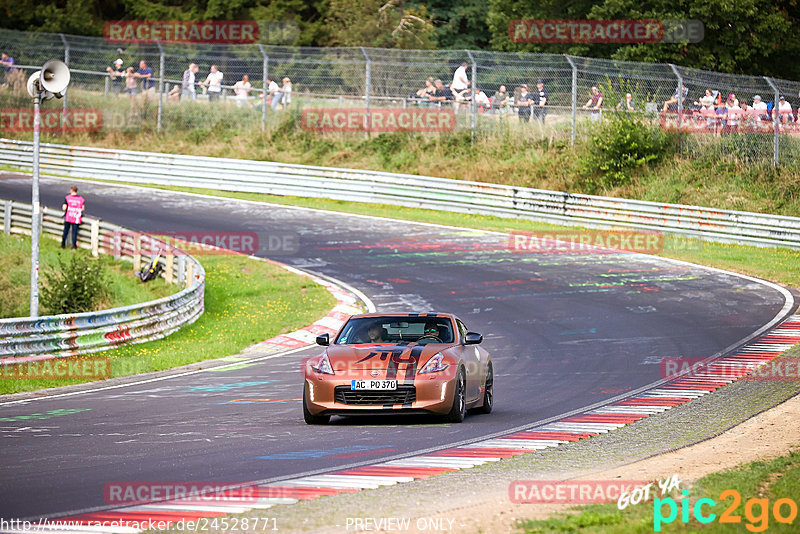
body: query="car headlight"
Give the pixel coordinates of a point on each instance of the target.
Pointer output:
(323, 366)
(434, 365)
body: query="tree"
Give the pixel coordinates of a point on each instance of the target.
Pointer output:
(744, 37)
(379, 23)
(459, 24)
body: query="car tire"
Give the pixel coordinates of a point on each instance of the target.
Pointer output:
(312, 419)
(488, 391)
(459, 409)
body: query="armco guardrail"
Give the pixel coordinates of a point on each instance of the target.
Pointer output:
(81, 333)
(407, 190)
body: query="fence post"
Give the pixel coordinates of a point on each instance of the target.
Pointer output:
(105, 86)
(168, 268)
(264, 74)
(775, 123)
(95, 233)
(680, 104)
(66, 60)
(181, 269)
(473, 105)
(189, 274)
(137, 253)
(7, 218)
(574, 104)
(160, 85)
(367, 86)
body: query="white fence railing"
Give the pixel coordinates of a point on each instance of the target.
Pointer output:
(81, 333)
(407, 190)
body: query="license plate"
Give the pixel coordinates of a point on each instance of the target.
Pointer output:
(372, 384)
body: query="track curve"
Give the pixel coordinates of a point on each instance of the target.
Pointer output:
(565, 331)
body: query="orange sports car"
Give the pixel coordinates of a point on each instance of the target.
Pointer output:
(406, 363)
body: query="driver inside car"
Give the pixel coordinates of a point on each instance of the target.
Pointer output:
(431, 333)
(376, 333)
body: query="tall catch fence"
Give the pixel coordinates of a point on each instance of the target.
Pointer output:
(729, 120)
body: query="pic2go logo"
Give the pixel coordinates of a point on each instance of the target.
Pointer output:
(756, 511)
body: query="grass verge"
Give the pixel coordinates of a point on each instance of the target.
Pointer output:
(15, 262)
(246, 301)
(759, 486)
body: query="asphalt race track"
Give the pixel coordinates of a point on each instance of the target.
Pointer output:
(564, 330)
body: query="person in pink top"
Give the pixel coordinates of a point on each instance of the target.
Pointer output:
(73, 211)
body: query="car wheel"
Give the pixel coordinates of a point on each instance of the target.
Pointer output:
(312, 419)
(488, 391)
(459, 409)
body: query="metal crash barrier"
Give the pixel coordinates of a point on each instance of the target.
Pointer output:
(408, 190)
(82, 333)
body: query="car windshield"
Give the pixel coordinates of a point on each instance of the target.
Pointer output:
(399, 330)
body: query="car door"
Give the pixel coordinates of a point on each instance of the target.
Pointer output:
(472, 357)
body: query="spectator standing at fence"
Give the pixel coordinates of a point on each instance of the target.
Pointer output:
(524, 101)
(8, 65)
(188, 89)
(286, 99)
(242, 90)
(117, 73)
(131, 82)
(460, 81)
(275, 93)
(500, 100)
(681, 91)
(540, 101)
(627, 104)
(214, 83)
(595, 103)
(73, 207)
(146, 74)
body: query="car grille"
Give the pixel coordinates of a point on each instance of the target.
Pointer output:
(402, 395)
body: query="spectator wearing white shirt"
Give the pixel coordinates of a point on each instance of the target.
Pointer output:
(242, 90)
(460, 81)
(481, 99)
(759, 109)
(187, 83)
(784, 111)
(274, 92)
(460, 86)
(214, 83)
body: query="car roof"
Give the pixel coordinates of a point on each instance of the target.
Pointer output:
(405, 314)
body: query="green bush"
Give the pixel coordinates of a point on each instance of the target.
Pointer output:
(620, 145)
(77, 285)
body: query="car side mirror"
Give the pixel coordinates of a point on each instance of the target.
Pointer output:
(324, 340)
(473, 338)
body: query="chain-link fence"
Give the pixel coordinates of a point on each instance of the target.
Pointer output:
(714, 112)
